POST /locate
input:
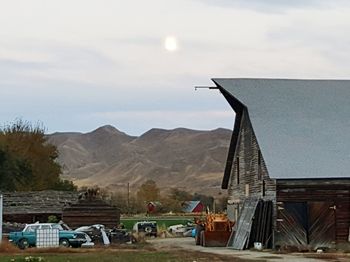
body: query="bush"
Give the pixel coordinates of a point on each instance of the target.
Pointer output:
(52, 219)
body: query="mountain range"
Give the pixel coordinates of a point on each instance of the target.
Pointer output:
(187, 159)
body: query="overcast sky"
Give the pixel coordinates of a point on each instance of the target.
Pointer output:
(75, 65)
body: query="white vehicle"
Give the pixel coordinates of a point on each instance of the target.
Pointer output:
(177, 229)
(147, 227)
(181, 230)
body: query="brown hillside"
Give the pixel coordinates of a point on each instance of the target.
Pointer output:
(189, 159)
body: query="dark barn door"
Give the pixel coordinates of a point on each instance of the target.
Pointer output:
(321, 224)
(306, 224)
(292, 225)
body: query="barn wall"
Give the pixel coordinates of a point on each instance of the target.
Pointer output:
(90, 212)
(252, 176)
(332, 196)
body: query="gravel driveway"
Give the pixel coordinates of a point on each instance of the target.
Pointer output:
(188, 244)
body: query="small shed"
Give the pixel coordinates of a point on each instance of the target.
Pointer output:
(192, 206)
(29, 207)
(287, 172)
(90, 210)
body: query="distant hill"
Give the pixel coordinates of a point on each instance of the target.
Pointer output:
(188, 159)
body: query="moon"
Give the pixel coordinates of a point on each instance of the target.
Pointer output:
(170, 44)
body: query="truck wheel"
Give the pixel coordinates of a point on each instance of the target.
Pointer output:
(199, 229)
(203, 238)
(202, 242)
(64, 242)
(23, 243)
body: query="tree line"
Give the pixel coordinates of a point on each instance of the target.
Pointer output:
(170, 201)
(27, 161)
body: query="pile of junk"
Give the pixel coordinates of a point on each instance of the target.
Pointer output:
(98, 234)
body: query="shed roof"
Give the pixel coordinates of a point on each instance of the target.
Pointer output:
(302, 126)
(35, 202)
(190, 206)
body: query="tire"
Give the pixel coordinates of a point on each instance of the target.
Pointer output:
(203, 238)
(148, 229)
(64, 242)
(199, 229)
(23, 243)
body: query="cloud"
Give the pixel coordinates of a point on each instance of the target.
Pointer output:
(61, 63)
(276, 6)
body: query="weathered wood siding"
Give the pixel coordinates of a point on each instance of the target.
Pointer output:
(253, 174)
(335, 192)
(90, 212)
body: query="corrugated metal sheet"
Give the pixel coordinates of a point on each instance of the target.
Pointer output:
(241, 230)
(302, 126)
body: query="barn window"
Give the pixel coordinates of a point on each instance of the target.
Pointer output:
(263, 188)
(237, 160)
(259, 165)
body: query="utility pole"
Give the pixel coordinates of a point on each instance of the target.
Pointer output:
(128, 198)
(1, 218)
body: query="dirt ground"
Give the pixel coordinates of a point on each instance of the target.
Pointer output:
(170, 250)
(226, 254)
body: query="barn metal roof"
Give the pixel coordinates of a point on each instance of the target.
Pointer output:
(302, 126)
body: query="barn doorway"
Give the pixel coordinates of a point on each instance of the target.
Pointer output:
(306, 225)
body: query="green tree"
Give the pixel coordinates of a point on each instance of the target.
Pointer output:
(175, 200)
(15, 173)
(148, 191)
(180, 195)
(64, 185)
(28, 161)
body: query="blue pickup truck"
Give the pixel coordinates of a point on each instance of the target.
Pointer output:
(27, 237)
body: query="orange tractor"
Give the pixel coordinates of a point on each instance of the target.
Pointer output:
(213, 231)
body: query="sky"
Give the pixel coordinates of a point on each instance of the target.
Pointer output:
(79, 64)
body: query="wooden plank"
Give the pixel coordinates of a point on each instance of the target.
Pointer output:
(292, 225)
(321, 224)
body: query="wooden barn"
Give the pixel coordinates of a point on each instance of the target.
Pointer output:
(288, 166)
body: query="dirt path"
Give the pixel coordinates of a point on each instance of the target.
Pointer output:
(188, 244)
